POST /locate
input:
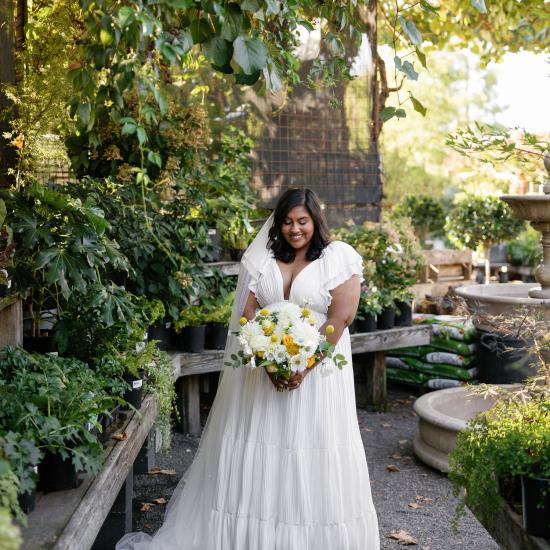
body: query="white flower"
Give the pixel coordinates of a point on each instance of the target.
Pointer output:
(305, 335)
(276, 353)
(298, 363)
(288, 315)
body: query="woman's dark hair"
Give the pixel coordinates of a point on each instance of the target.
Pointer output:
(321, 238)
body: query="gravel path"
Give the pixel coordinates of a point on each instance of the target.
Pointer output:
(388, 441)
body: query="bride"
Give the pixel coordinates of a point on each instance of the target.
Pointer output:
(281, 471)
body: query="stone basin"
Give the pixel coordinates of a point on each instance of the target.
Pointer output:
(441, 415)
(499, 299)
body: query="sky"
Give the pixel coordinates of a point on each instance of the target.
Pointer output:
(524, 90)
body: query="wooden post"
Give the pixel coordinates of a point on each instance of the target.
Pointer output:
(119, 520)
(11, 321)
(146, 458)
(376, 380)
(188, 403)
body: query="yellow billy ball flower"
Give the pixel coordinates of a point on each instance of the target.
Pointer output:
(264, 312)
(271, 368)
(243, 321)
(274, 338)
(329, 329)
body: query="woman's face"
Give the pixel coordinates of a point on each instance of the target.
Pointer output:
(298, 228)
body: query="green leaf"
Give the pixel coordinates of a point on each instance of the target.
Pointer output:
(408, 69)
(273, 7)
(479, 5)
(180, 4)
(418, 107)
(218, 51)
(105, 37)
(246, 79)
(141, 134)
(250, 54)
(421, 57)
(426, 6)
(387, 113)
(3, 212)
(200, 30)
(84, 110)
(232, 23)
(250, 5)
(154, 157)
(125, 16)
(409, 28)
(400, 113)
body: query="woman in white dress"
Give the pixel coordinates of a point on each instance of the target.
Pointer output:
(281, 470)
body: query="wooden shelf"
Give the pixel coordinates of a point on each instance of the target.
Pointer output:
(8, 301)
(70, 520)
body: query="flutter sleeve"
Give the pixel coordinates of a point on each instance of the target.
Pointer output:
(341, 263)
(255, 270)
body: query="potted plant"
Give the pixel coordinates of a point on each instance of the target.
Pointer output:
(403, 304)
(386, 318)
(480, 221)
(191, 329)
(58, 399)
(9, 490)
(159, 325)
(217, 319)
(510, 441)
(369, 308)
(24, 457)
(237, 236)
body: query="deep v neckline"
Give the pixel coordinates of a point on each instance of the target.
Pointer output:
(282, 279)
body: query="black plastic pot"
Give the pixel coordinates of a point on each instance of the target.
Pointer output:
(5, 290)
(134, 394)
(353, 327)
(216, 336)
(236, 254)
(368, 324)
(386, 319)
(216, 241)
(191, 339)
(503, 360)
(39, 344)
(160, 331)
(403, 317)
(27, 501)
(56, 473)
(536, 505)
(510, 489)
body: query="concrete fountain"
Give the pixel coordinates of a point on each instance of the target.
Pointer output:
(443, 413)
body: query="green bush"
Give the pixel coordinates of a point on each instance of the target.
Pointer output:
(427, 214)
(479, 221)
(526, 248)
(511, 439)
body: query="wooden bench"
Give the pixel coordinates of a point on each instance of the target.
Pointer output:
(189, 366)
(79, 519)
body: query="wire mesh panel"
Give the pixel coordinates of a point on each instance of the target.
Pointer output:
(322, 140)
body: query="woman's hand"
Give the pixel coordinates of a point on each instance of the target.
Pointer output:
(296, 379)
(279, 383)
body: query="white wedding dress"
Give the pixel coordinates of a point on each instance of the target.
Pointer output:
(278, 470)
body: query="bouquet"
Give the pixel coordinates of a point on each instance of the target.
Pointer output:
(283, 339)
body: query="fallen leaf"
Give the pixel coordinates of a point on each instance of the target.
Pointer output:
(163, 472)
(120, 436)
(421, 498)
(403, 441)
(392, 468)
(413, 413)
(395, 456)
(386, 424)
(414, 505)
(160, 501)
(402, 537)
(146, 507)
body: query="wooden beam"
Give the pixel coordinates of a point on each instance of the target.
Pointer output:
(395, 338)
(376, 380)
(188, 401)
(11, 321)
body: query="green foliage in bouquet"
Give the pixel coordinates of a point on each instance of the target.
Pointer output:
(481, 221)
(511, 439)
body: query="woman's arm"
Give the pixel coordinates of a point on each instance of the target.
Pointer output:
(341, 313)
(251, 306)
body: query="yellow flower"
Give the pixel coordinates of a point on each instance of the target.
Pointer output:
(260, 354)
(311, 321)
(243, 321)
(271, 368)
(306, 312)
(274, 338)
(329, 329)
(311, 361)
(268, 327)
(291, 347)
(264, 311)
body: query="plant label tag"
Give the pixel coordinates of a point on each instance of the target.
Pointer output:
(136, 384)
(212, 231)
